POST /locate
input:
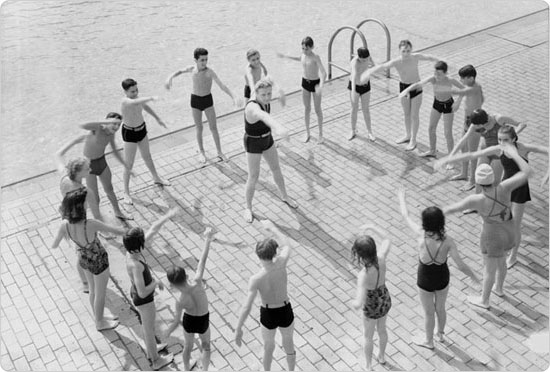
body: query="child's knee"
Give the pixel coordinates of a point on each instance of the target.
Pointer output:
(205, 345)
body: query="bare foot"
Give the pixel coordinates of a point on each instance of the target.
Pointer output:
(468, 187)
(427, 154)
(127, 199)
(248, 215)
(307, 138)
(498, 292)
(403, 140)
(320, 140)
(290, 202)
(104, 324)
(450, 167)
(420, 340)
(202, 158)
(372, 138)
(510, 262)
(440, 336)
(162, 360)
(221, 157)
(124, 217)
(161, 182)
(411, 146)
(381, 359)
(353, 135)
(459, 177)
(476, 301)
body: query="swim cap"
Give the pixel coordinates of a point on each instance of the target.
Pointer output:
(485, 175)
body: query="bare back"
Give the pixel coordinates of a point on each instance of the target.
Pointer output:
(194, 301)
(202, 82)
(374, 277)
(272, 284)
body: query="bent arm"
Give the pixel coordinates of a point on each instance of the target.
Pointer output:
(520, 177)
(101, 226)
(61, 233)
(59, 154)
(405, 213)
(97, 125)
(255, 114)
(281, 55)
(155, 226)
(361, 292)
(177, 319)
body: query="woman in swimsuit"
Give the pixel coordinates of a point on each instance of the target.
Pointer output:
(92, 256)
(372, 295)
(407, 68)
(258, 143)
(498, 232)
(434, 248)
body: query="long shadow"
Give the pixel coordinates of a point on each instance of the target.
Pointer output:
(307, 168)
(532, 314)
(504, 319)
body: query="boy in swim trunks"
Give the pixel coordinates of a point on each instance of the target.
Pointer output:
(193, 303)
(311, 83)
(271, 282)
(359, 64)
(201, 98)
(134, 134)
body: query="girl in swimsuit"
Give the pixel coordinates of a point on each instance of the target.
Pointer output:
(92, 256)
(407, 68)
(143, 287)
(497, 234)
(434, 248)
(372, 295)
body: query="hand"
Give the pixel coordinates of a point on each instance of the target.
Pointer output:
(154, 98)
(509, 149)
(439, 163)
(456, 105)
(318, 89)
(238, 101)
(132, 173)
(209, 232)
(282, 99)
(280, 55)
(404, 93)
(172, 212)
(168, 84)
(366, 227)
(284, 133)
(268, 225)
(160, 285)
(239, 337)
(162, 124)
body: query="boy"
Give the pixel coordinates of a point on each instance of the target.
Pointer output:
(311, 83)
(201, 98)
(271, 282)
(194, 301)
(134, 134)
(359, 64)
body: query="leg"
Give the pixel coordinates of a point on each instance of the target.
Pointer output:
(415, 121)
(147, 313)
(473, 144)
(272, 158)
(448, 127)
(369, 326)
(130, 149)
(319, 111)
(383, 339)
(517, 211)
(148, 159)
(497, 168)
(427, 299)
(306, 98)
(287, 335)
(197, 118)
(187, 349)
(100, 284)
(106, 181)
(463, 175)
(91, 184)
(211, 116)
(490, 268)
(205, 344)
(440, 299)
(268, 336)
(365, 107)
(91, 288)
(406, 104)
(353, 114)
(253, 161)
(502, 270)
(432, 133)
(82, 275)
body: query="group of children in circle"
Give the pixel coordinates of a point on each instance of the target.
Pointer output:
(500, 201)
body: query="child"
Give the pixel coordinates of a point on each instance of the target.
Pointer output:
(193, 303)
(372, 295)
(311, 83)
(358, 92)
(134, 134)
(271, 282)
(254, 72)
(143, 286)
(201, 98)
(443, 105)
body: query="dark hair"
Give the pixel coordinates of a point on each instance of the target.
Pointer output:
(433, 221)
(128, 83)
(113, 115)
(134, 239)
(440, 65)
(467, 71)
(364, 251)
(510, 131)
(73, 206)
(308, 42)
(405, 42)
(200, 52)
(479, 116)
(75, 165)
(363, 52)
(251, 53)
(176, 275)
(266, 249)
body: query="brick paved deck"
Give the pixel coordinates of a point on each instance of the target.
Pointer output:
(46, 320)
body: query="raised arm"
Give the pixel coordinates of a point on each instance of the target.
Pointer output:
(245, 311)
(520, 177)
(405, 213)
(208, 238)
(59, 154)
(270, 230)
(155, 226)
(382, 235)
(509, 121)
(168, 83)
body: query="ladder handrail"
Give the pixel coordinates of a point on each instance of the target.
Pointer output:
(388, 39)
(355, 31)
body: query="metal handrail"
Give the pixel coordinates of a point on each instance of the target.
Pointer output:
(388, 39)
(330, 63)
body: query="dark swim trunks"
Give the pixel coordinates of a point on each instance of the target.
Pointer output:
(412, 93)
(97, 166)
(196, 324)
(257, 145)
(443, 107)
(309, 85)
(360, 89)
(134, 135)
(201, 102)
(247, 91)
(277, 317)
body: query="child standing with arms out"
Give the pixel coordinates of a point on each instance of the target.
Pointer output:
(193, 303)
(443, 105)
(201, 98)
(358, 92)
(254, 72)
(311, 83)
(372, 295)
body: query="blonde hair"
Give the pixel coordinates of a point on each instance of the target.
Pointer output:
(74, 166)
(263, 83)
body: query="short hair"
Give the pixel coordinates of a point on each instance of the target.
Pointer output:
(363, 52)
(200, 52)
(264, 82)
(405, 42)
(307, 41)
(128, 83)
(510, 131)
(479, 116)
(176, 275)
(75, 165)
(441, 66)
(364, 251)
(266, 249)
(113, 115)
(251, 53)
(467, 71)
(73, 206)
(433, 221)
(134, 239)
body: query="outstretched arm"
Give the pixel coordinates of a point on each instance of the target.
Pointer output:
(366, 75)
(155, 226)
(154, 114)
(416, 85)
(254, 113)
(224, 87)
(470, 202)
(426, 57)
(252, 292)
(281, 55)
(102, 226)
(463, 140)
(536, 149)
(405, 213)
(168, 83)
(488, 151)
(208, 238)
(97, 125)
(59, 154)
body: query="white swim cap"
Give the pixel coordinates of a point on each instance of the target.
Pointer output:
(485, 175)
